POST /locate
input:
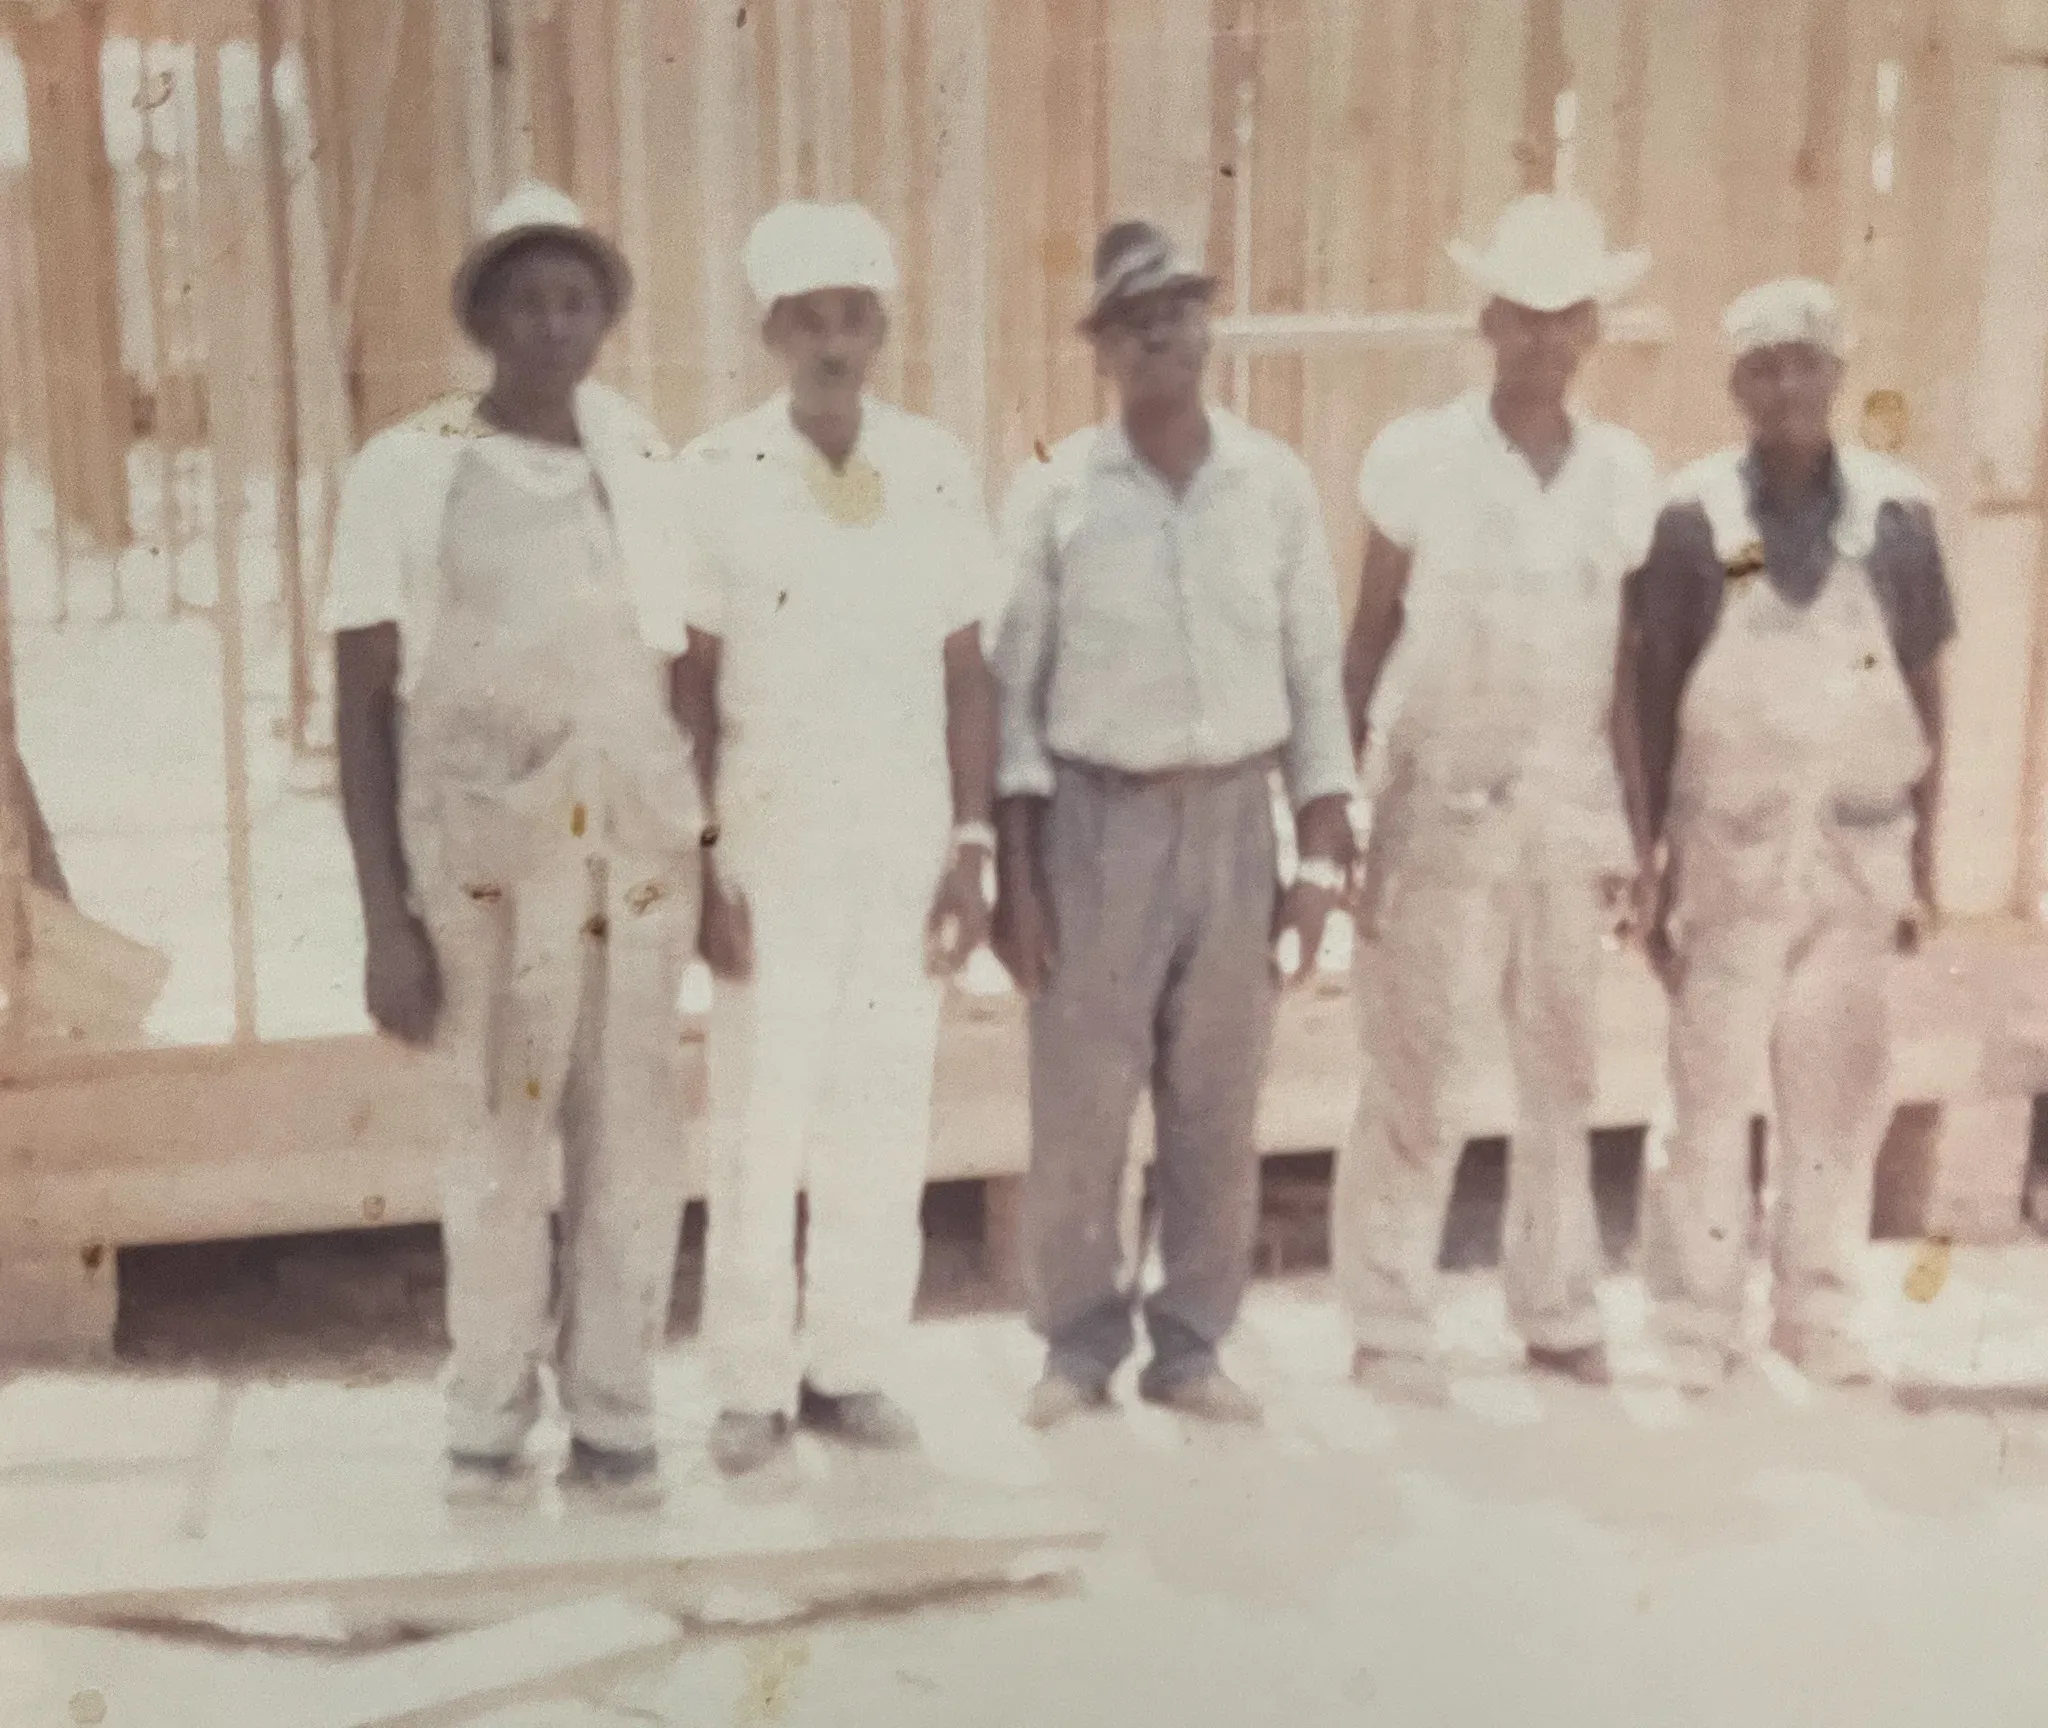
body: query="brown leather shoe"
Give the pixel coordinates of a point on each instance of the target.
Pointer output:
(1587, 1364)
(1211, 1395)
(1056, 1397)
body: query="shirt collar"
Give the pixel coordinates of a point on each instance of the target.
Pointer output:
(781, 437)
(1753, 494)
(1233, 446)
(1479, 404)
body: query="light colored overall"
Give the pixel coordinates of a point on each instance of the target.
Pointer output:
(834, 809)
(551, 820)
(1496, 815)
(1791, 829)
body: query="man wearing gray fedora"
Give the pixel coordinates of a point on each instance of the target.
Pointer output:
(1173, 641)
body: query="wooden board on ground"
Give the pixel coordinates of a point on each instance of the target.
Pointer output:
(449, 1680)
(375, 1554)
(1988, 1398)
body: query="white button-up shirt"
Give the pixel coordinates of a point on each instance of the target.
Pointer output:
(1148, 632)
(1503, 675)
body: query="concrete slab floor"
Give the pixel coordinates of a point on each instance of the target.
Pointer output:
(1538, 1553)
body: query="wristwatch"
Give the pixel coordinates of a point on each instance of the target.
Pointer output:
(1324, 873)
(966, 834)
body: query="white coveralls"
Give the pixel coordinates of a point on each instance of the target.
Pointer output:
(551, 823)
(1496, 813)
(1791, 826)
(834, 810)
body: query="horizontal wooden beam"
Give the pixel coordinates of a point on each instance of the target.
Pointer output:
(1299, 332)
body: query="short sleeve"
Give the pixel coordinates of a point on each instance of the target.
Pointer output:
(366, 582)
(1388, 485)
(705, 567)
(1638, 499)
(974, 579)
(1911, 579)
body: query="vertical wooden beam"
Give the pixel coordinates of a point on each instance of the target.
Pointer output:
(730, 186)
(679, 348)
(1072, 96)
(273, 22)
(219, 239)
(954, 281)
(1017, 143)
(1288, 56)
(1544, 76)
(635, 219)
(14, 859)
(71, 185)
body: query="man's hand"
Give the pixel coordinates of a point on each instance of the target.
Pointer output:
(1023, 933)
(402, 979)
(725, 933)
(959, 920)
(1919, 924)
(1653, 923)
(1305, 907)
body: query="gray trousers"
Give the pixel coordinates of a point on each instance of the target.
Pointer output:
(1162, 895)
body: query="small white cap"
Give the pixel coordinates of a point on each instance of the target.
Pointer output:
(530, 210)
(800, 248)
(1791, 309)
(1547, 252)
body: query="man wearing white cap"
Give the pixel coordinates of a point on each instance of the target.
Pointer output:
(845, 721)
(1502, 527)
(525, 821)
(1173, 642)
(1783, 645)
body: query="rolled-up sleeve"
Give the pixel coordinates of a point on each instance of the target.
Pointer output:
(1317, 759)
(1023, 652)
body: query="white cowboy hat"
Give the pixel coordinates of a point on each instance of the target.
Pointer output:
(800, 248)
(1549, 251)
(531, 211)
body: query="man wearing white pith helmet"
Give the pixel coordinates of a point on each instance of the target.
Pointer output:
(1502, 527)
(525, 822)
(846, 726)
(1782, 665)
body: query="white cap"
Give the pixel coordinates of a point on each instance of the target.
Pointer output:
(1549, 251)
(528, 211)
(1791, 309)
(800, 248)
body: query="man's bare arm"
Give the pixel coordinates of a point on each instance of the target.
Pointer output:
(1375, 627)
(1925, 685)
(971, 726)
(693, 700)
(366, 740)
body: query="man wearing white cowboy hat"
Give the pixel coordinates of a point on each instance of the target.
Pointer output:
(1502, 527)
(1173, 642)
(524, 816)
(846, 727)
(1782, 664)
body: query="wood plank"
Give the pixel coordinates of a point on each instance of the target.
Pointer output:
(1017, 144)
(1074, 206)
(71, 194)
(839, 1544)
(953, 281)
(449, 1680)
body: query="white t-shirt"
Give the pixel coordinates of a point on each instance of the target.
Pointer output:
(387, 532)
(831, 672)
(1504, 669)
